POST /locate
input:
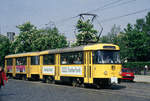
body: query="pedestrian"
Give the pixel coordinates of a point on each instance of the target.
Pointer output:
(2, 77)
(145, 70)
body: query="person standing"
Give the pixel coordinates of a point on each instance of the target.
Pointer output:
(145, 69)
(2, 77)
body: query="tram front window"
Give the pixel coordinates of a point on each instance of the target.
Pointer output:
(106, 57)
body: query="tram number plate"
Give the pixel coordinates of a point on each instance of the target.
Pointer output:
(114, 80)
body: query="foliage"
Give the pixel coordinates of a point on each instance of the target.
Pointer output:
(137, 40)
(4, 48)
(49, 39)
(86, 33)
(134, 41)
(137, 46)
(23, 42)
(32, 39)
(115, 36)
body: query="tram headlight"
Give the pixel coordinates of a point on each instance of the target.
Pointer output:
(105, 73)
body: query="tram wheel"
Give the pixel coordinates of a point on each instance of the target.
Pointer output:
(53, 82)
(24, 78)
(74, 83)
(83, 85)
(98, 86)
(47, 80)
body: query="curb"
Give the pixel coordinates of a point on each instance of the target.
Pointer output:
(142, 78)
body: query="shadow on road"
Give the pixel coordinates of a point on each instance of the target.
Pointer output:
(7, 94)
(113, 87)
(117, 87)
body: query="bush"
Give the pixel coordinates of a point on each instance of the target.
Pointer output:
(136, 67)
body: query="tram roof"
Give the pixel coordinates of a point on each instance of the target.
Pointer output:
(100, 46)
(82, 48)
(22, 54)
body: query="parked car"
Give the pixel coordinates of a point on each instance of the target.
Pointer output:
(127, 74)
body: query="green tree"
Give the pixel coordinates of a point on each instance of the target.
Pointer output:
(23, 42)
(136, 42)
(32, 39)
(50, 38)
(4, 48)
(86, 33)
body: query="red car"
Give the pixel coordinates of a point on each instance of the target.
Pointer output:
(127, 74)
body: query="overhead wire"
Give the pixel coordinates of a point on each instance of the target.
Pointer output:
(60, 21)
(114, 2)
(100, 30)
(120, 4)
(105, 7)
(67, 19)
(63, 20)
(118, 17)
(70, 18)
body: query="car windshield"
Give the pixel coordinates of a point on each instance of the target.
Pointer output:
(126, 70)
(106, 57)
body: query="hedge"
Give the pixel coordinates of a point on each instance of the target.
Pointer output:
(136, 67)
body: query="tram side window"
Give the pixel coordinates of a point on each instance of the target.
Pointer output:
(21, 61)
(72, 58)
(49, 59)
(35, 60)
(9, 62)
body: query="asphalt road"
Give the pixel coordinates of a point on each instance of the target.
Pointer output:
(17, 90)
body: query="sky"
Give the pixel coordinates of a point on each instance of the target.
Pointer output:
(42, 13)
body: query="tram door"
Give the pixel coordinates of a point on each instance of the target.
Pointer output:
(14, 67)
(28, 67)
(57, 67)
(88, 69)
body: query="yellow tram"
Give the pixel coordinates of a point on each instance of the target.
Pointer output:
(22, 65)
(97, 64)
